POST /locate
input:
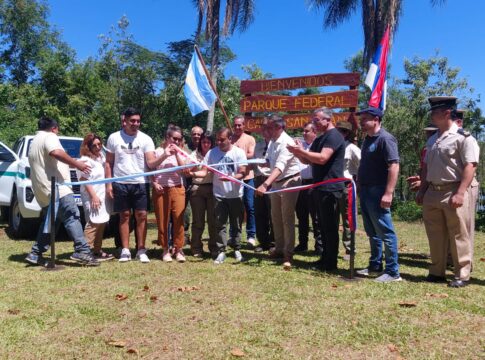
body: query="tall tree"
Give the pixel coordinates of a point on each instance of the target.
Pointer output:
(376, 15)
(239, 14)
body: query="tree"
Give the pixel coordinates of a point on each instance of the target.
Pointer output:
(376, 15)
(239, 14)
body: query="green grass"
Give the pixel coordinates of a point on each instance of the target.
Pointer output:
(256, 307)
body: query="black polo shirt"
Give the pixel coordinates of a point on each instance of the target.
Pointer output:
(334, 167)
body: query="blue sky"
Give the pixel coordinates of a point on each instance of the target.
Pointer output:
(287, 39)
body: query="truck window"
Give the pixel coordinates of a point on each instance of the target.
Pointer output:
(71, 146)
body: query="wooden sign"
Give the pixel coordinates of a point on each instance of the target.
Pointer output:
(340, 79)
(271, 103)
(297, 121)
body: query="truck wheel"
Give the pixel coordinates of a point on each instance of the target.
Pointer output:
(18, 226)
(4, 213)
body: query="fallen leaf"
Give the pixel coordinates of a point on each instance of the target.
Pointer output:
(97, 331)
(482, 259)
(198, 301)
(165, 348)
(334, 286)
(121, 297)
(146, 288)
(237, 352)
(188, 288)
(392, 347)
(117, 343)
(153, 298)
(132, 351)
(439, 296)
(408, 304)
(13, 311)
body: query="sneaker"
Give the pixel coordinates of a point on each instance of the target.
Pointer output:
(367, 272)
(287, 265)
(142, 256)
(238, 256)
(198, 255)
(166, 257)
(35, 259)
(180, 257)
(252, 242)
(102, 256)
(385, 278)
(220, 258)
(85, 259)
(125, 255)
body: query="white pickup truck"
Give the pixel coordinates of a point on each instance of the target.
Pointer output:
(17, 200)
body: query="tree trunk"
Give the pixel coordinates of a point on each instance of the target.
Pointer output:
(215, 29)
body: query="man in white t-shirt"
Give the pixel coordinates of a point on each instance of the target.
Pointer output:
(228, 194)
(48, 159)
(130, 151)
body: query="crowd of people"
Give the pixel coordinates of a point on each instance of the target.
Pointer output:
(212, 176)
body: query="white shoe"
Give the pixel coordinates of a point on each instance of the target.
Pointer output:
(385, 278)
(251, 241)
(180, 257)
(125, 255)
(166, 256)
(142, 256)
(238, 256)
(220, 258)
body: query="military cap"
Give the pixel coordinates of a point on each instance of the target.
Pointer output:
(430, 127)
(446, 102)
(344, 125)
(372, 110)
(459, 113)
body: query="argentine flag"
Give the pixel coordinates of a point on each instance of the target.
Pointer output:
(376, 77)
(197, 90)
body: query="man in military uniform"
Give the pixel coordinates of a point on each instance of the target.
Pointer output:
(450, 165)
(474, 186)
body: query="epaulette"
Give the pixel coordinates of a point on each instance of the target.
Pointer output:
(463, 132)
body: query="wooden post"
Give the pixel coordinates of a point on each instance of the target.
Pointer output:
(213, 87)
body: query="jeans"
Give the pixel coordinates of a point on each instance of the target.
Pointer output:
(248, 199)
(379, 228)
(67, 214)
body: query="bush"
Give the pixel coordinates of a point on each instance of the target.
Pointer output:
(408, 211)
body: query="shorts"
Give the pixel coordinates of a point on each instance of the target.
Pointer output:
(131, 196)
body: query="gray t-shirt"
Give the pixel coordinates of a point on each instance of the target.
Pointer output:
(226, 189)
(378, 152)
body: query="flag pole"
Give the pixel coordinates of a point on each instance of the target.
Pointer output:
(213, 87)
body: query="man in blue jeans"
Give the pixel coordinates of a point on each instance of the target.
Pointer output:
(47, 158)
(378, 171)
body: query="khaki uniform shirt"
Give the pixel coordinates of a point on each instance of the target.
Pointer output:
(447, 154)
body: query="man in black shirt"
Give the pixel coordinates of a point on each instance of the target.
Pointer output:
(326, 156)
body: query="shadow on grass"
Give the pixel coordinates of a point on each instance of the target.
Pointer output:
(419, 260)
(60, 260)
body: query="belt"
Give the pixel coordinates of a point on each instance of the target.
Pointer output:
(287, 178)
(443, 187)
(175, 186)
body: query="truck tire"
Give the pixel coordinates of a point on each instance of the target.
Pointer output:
(19, 227)
(4, 213)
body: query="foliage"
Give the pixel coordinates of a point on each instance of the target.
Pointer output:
(408, 211)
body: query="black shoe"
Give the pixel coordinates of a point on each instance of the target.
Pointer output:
(260, 249)
(435, 279)
(318, 251)
(85, 259)
(301, 248)
(458, 283)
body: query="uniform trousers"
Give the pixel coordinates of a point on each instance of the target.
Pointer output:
(202, 202)
(283, 216)
(474, 190)
(447, 228)
(170, 204)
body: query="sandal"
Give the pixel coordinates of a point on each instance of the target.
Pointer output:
(102, 256)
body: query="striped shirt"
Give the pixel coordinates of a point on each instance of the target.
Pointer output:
(168, 179)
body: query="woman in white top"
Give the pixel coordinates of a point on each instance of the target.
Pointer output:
(94, 196)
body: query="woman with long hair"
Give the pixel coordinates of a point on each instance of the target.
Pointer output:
(202, 201)
(169, 195)
(93, 196)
